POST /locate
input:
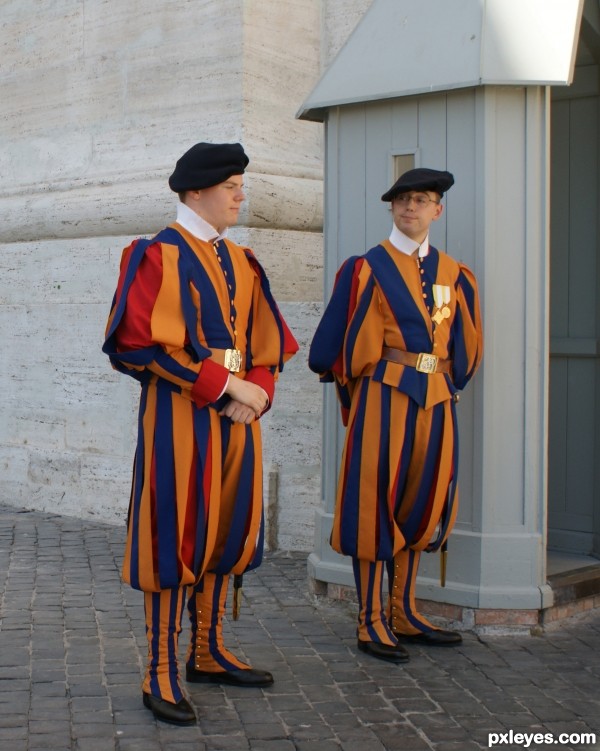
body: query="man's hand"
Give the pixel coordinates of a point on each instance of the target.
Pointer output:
(248, 400)
(238, 412)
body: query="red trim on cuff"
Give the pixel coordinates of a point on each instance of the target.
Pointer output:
(210, 383)
(262, 377)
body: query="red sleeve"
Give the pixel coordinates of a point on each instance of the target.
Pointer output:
(210, 383)
(262, 377)
(135, 329)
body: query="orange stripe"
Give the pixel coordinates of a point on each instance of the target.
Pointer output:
(257, 505)
(406, 620)
(212, 488)
(368, 513)
(161, 667)
(185, 483)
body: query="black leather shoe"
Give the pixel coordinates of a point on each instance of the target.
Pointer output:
(436, 638)
(389, 652)
(246, 677)
(177, 714)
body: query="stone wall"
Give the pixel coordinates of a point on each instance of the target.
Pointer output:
(97, 101)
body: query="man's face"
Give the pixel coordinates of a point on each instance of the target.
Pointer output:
(220, 204)
(414, 211)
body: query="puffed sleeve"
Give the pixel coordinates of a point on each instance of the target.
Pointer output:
(270, 342)
(467, 344)
(348, 340)
(147, 330)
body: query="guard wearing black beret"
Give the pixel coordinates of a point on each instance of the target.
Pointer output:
(194, 321)
(208, 164)
(422, 180)
(400, 337)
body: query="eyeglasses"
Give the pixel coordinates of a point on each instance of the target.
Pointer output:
(420, 199)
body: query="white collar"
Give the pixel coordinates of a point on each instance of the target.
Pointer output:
(404, 244)
(196, 225)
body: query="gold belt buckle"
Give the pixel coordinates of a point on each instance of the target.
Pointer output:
(426, 363)
(233, 360)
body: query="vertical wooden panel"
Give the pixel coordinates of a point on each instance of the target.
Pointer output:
(460, 238)
(351, 169)
(460, 200)
(432, 150)
(559, 220)
(574, 478)
(405, 129)
(583, 228)
(378, 158)
(580, 448)
(557, 451)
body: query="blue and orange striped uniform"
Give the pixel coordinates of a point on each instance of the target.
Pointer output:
(397, 488)
(196, 499)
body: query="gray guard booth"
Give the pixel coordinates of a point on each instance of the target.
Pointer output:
(466, 86)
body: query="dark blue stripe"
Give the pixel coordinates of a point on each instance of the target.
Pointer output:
(429, 264)
(173, 367)
(404, 307)
(139, 357)
(428, 475)
(406, 597)
(385, 543)
(368, 602)
(154, 644)
(349, 527)
(452, 490)
(405, 454)
(174, 621)
(137, 493)
(357, 322)
(132, 266)
(468, 292)
(201, 418)
(166, 515)
(192, 270)
(214, 626)
(328, 339)
(242, 507)
(266, 290)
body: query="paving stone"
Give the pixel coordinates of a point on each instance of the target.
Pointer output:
(73, 648)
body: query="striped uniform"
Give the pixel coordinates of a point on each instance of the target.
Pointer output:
(397, 487)
(196, 500)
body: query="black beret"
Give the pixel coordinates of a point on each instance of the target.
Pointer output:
(420, 179)
(208, 164)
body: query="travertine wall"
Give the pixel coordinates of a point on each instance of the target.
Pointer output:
(98, 98)
(340, 18)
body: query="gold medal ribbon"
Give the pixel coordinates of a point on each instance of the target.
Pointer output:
(441, 298)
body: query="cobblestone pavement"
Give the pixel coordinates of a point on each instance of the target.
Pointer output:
(72, 647)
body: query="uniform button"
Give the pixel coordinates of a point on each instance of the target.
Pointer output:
(424, 295)
(232, 319)
(224, 272)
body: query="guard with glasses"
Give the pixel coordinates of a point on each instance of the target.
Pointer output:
(400, 337)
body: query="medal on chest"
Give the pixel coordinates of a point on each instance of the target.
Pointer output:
(441, 298)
